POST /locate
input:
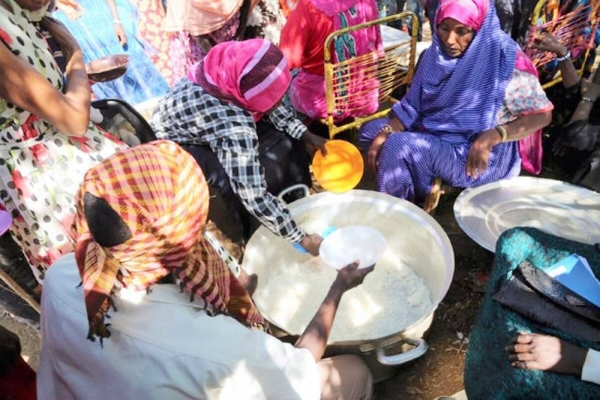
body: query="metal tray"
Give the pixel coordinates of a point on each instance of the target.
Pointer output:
(559, 208)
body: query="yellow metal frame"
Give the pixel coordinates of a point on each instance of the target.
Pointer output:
(390, 54)
(536, 17)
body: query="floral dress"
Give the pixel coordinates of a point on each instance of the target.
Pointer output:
(40, 167)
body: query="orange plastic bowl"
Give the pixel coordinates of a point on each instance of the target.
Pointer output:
(341, 169)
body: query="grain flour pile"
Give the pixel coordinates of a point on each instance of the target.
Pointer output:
(391, 298)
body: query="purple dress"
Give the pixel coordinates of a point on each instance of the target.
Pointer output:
(450, 102)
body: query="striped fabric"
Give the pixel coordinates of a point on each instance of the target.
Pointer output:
(160, 193)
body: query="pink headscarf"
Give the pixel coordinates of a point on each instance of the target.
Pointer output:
(471, 13)
(252, 74)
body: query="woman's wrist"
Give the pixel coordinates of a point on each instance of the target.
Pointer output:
(564, 57)
(502, 132)
(561, 51)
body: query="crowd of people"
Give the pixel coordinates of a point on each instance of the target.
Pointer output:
(113, 231)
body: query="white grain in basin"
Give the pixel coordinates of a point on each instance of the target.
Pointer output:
(393, 292)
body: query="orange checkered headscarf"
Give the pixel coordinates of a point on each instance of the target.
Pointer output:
(159, 192)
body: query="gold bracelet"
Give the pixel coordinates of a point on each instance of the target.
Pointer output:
(503, 133)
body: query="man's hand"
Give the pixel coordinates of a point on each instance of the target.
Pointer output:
(350, 276)
(315, 336)
(314, 142)
(479, 153)
(312, 243)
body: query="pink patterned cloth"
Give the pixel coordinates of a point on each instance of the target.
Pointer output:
(307, 93)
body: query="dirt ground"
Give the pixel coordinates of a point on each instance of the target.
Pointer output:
(440, 371)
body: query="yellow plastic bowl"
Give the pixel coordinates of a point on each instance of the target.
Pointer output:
(341, 170)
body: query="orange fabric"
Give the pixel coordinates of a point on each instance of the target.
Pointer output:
(200, 17)
(303, 36)
(160, 193)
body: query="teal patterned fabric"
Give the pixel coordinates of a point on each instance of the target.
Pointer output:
(488, 374)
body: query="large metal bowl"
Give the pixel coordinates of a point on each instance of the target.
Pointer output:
(417, 237)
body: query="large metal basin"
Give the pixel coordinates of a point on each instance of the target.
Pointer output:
(413, 234)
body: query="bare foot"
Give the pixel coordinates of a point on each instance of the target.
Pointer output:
(545, 353)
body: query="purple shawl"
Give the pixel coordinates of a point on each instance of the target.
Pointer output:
(465, 94)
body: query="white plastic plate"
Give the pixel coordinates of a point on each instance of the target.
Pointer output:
(559, 208)
(351, 243)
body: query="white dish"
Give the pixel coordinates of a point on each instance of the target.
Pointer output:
(556, 207)
(346, 245)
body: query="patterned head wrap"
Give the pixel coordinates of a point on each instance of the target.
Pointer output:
(252, 74)
(159, 192)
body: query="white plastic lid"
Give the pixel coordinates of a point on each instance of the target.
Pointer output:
(346, 245)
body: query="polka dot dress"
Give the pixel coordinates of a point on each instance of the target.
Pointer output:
(40, 167)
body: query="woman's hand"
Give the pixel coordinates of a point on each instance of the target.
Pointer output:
(545, 41)
(479, 153)
(375, 149)
(121, 35)
(393, 125)
(545, 353)
(314, 142)
(312, 243)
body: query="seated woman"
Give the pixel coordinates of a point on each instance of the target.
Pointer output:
(140, 220)
(303, 40)
(474, 95)
(47, 142)
(227, 116)
(511, 357)
(574, 140)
